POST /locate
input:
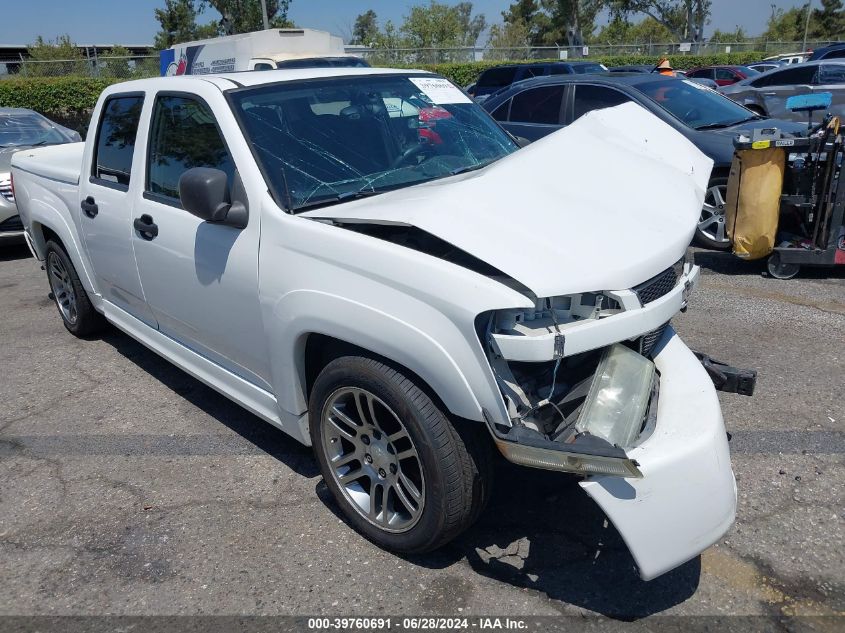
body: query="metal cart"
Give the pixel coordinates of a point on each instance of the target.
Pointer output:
(810, 229)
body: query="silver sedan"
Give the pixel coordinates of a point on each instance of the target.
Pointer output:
(766, 94)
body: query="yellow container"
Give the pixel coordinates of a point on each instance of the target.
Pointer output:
(753, 204)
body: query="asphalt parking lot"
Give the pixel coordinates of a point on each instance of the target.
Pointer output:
(128, 487)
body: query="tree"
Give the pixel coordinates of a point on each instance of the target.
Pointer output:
(366, 30)
(685, 19)
(178, 20)
(471, 27)
(508, 40)
(439, 25)
(527, 15)
(786, 26)
(829, 21)
(570, 21)
(728, 37)
(243, 16)
(620, 31)
(55, 57)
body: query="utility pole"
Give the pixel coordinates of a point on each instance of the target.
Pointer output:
(267, 19)
(806, 25)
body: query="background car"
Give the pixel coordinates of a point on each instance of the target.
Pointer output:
(762, 67)
(789, 58)
(632, 68)
(494, 79)
(535, 108)
(834, 51)
(723, 75)
(19, 129)
(766, 94)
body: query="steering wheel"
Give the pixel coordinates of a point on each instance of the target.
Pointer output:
(413, 151)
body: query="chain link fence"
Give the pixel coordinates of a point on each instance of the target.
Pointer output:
(106, 66)
(140, 66)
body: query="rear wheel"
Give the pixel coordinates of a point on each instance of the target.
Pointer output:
(78, 315)
(400, 471)
(711, 231)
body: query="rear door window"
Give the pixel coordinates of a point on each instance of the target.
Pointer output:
(832, 74)
(497, 77)
(537, 105)
(118, 125)
(184, 134)
(725, 74)
(797, 74)
(589, 97)
(704, 73)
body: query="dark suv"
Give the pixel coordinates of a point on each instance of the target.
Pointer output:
(834, 51)
(494, 79)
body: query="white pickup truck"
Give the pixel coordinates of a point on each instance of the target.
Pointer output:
(362, 258)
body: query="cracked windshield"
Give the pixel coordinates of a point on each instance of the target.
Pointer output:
(326, 141)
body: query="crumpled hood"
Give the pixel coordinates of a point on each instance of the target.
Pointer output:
(603, 204)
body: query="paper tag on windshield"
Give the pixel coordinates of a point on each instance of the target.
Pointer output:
(440, 91)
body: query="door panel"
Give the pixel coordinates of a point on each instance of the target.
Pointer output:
(107, 206)
(200, 279)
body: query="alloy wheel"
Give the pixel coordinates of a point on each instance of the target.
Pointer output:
(372, 459)
(711, 224)
(62, 287)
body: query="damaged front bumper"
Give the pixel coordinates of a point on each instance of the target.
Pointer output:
(686, 498)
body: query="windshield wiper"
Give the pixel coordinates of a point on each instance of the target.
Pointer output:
(724, 124)
(466, 168)
(338, 198)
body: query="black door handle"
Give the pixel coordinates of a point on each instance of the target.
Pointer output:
(89, 207)
(146, 227)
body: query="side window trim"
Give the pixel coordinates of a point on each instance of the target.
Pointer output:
(152, 195)
(92, 178)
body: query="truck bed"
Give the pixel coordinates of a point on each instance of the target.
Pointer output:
(57, 162)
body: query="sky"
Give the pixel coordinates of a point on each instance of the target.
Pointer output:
(132, 21)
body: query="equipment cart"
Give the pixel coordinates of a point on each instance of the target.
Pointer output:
(786, 196)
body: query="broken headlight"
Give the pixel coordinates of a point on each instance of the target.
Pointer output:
(617, 402)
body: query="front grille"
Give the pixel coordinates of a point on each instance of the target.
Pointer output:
(656, 287)
(648, 340)
(6, 190)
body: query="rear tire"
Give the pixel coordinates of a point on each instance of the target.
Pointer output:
(711, 231)
(402, 473)
(78, 315)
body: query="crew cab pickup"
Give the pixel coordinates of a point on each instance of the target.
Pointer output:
(362, 258)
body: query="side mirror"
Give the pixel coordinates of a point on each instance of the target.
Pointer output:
(204, 192)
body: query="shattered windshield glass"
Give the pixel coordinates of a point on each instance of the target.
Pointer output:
(325, 141)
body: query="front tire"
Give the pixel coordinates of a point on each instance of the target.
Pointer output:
(400, 471)
(78, 315)
(711, 231)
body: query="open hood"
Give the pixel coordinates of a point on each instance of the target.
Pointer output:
(603, 204)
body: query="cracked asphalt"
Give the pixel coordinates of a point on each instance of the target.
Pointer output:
(129, 488)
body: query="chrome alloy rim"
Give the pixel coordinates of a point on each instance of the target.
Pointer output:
(372, 459)
(712, 220)
(62, 287)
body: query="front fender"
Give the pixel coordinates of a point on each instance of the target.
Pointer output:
(455, 375)
(50, 207)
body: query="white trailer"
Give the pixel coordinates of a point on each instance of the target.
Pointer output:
(261, 50)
